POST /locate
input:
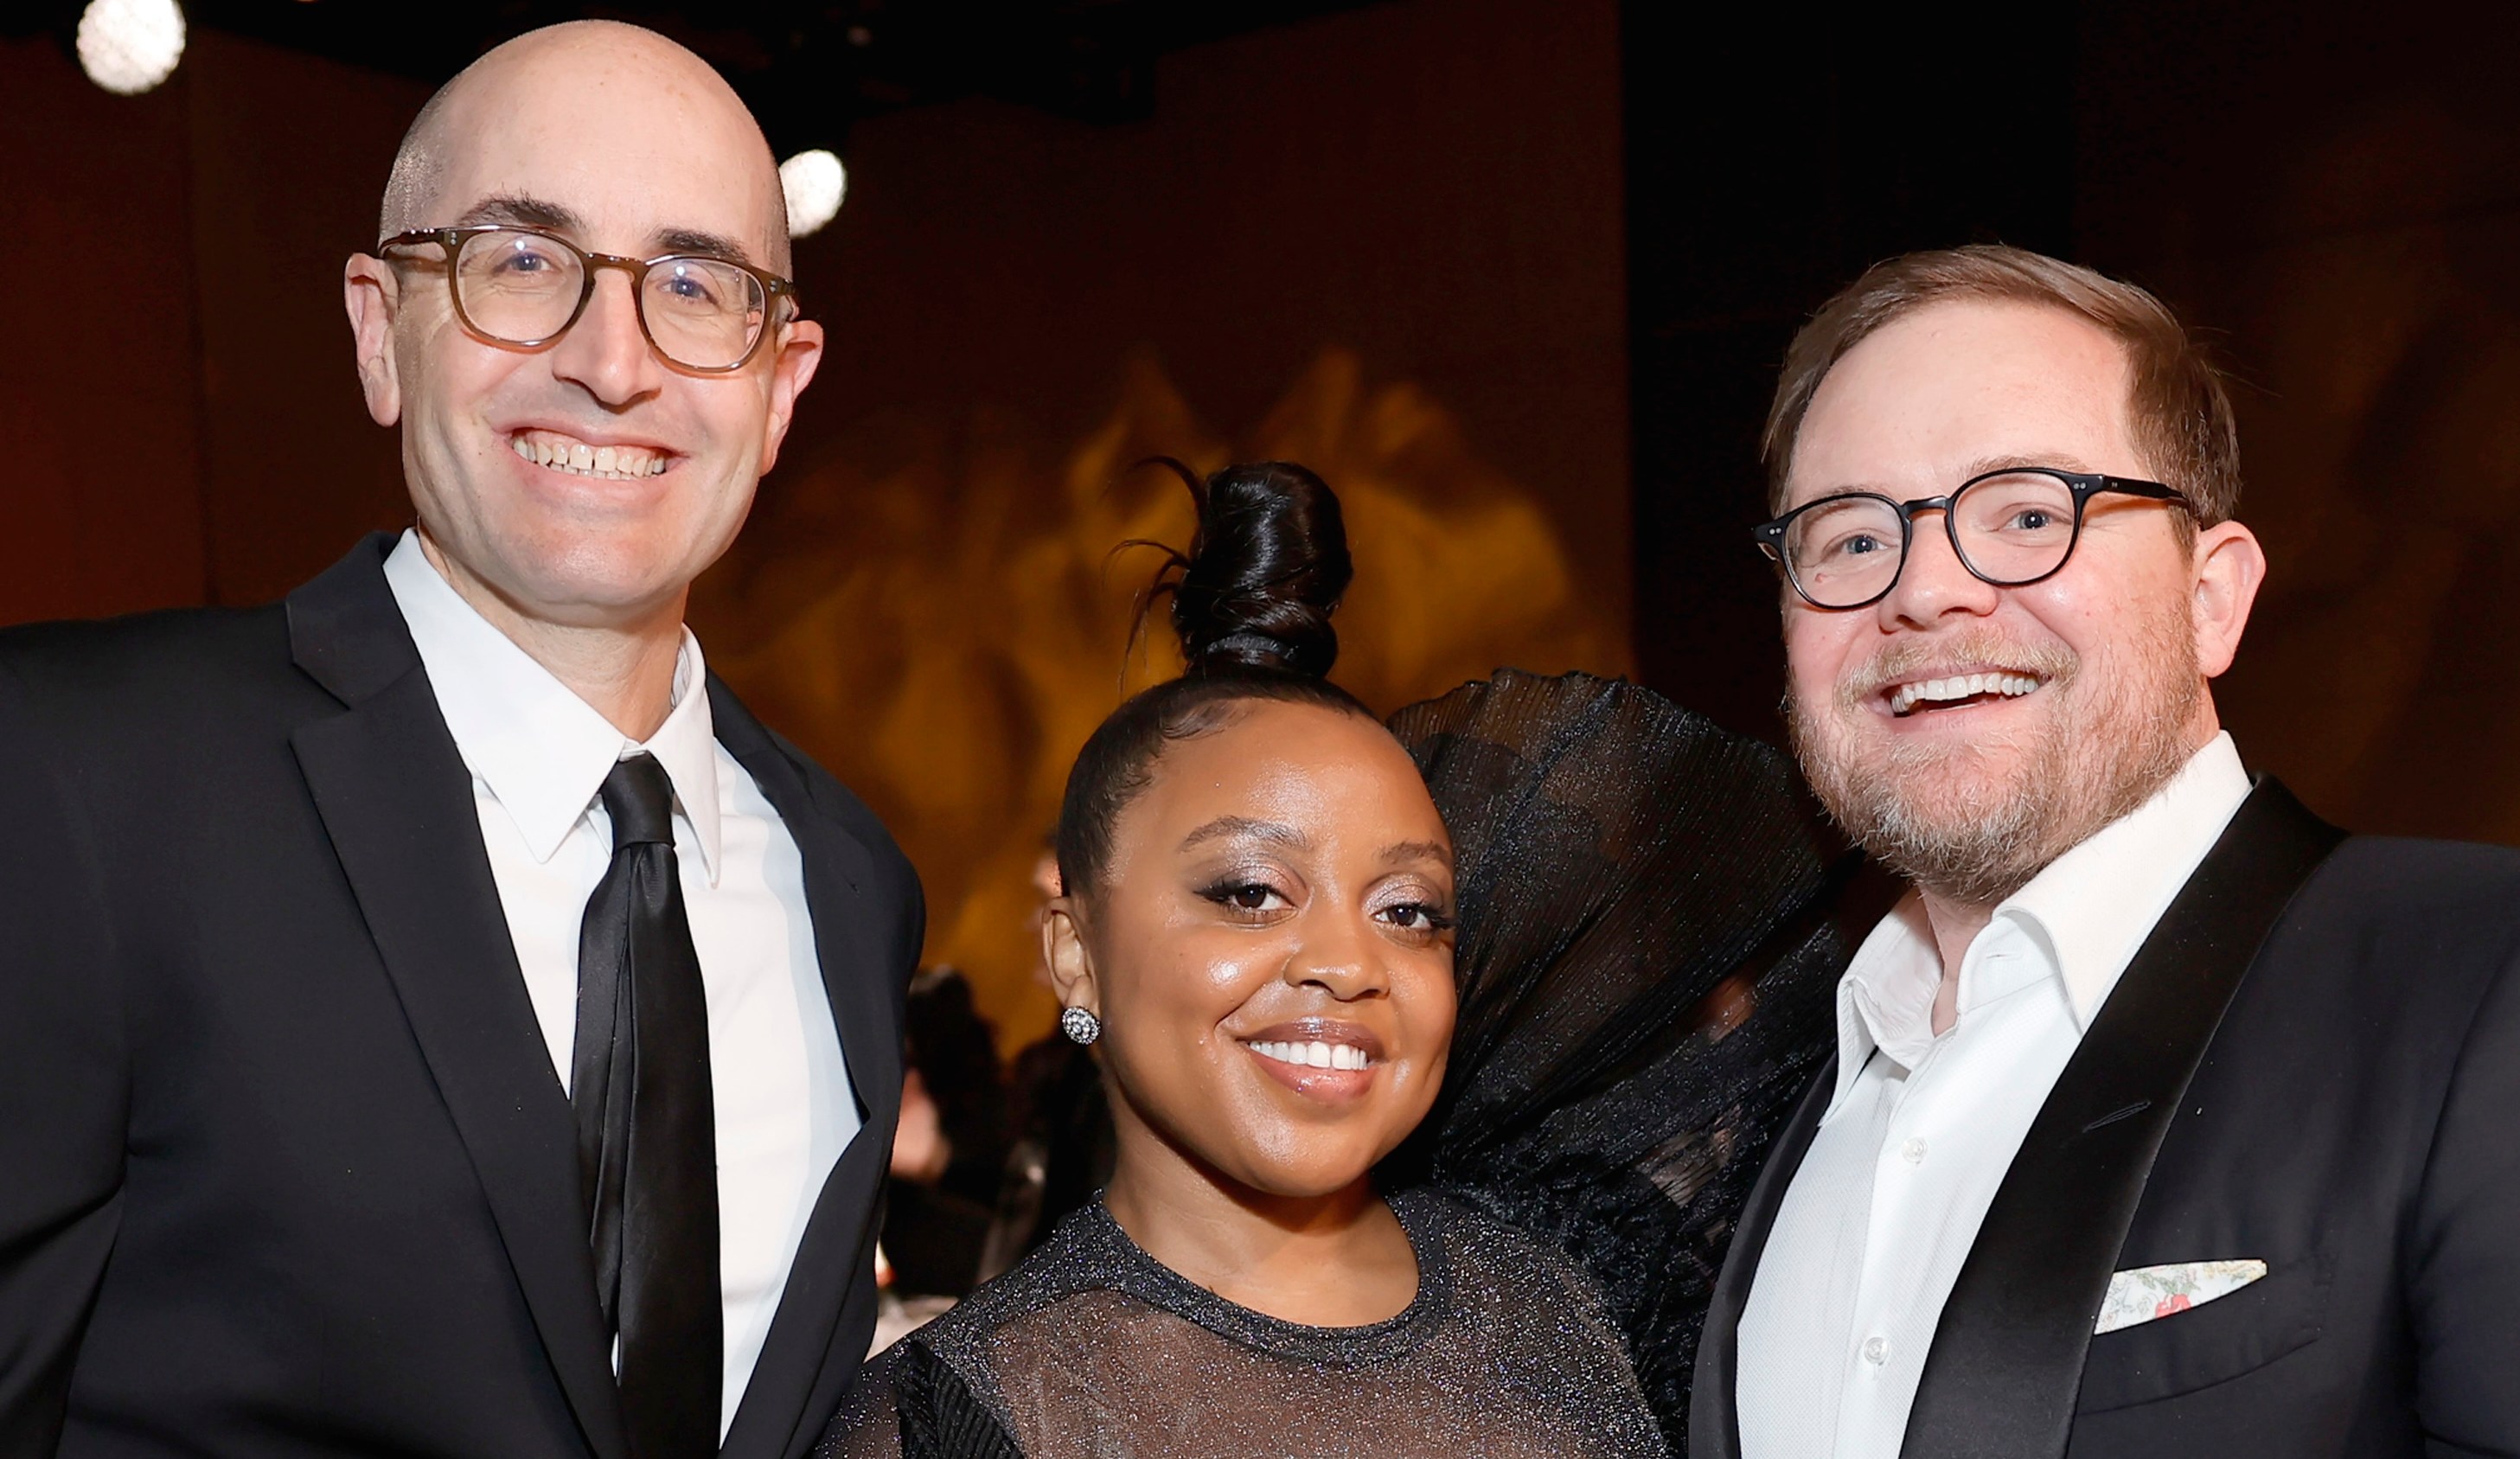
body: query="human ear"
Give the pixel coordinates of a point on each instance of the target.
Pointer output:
(799, 353)
(1071, 963)
(2229, 565)
(370, 292)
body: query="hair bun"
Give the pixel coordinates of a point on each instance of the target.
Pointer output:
(1264, 573)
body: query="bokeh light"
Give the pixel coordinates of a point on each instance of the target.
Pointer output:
(129, 46)
(815, 182)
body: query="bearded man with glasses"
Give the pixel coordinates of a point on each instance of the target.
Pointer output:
(440, 1021)
(2166, 1119)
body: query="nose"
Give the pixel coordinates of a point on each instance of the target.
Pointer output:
(605, 354)
(1933, 583)
(1342, 956)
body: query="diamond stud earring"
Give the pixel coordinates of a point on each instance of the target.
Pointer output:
(1080, 1025)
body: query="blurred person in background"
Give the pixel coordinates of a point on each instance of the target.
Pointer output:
(439, 1019)
(949, 1156)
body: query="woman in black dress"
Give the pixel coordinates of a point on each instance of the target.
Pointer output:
(1440, 1054)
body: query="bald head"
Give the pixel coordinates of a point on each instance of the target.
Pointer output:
(579, 482)
(593, 103)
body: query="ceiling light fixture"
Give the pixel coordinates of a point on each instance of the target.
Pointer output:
(129, 46)
(815, 182)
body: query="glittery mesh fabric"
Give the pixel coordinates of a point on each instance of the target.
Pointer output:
(1646, 988)
(1092, 1348)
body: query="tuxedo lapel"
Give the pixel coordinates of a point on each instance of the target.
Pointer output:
(2001, 1379)
(394, 797)
(865, 993)
(1714, 1426)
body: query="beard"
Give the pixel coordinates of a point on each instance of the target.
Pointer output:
(1972, 823)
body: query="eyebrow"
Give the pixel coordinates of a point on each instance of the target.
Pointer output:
(520, 212)
(1224, 827)
(524, 213)
(2056, 459)
(697, 240)
(1402, 851)
(1982, 466)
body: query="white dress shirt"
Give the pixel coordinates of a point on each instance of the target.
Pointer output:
(538, 754)
(1921, 1128)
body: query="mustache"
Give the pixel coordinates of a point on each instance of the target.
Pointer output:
(1976, 651)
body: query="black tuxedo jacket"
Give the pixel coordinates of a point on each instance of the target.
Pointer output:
(285, 1169)
(2313, 1061)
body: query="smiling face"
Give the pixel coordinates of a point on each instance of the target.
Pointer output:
(1971, 734)
(1270, 951)
(586, 481)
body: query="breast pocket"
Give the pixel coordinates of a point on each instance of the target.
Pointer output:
(2210, 1343)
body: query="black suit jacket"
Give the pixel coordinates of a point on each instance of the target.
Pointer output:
(2313, 1061)
(285, 1167)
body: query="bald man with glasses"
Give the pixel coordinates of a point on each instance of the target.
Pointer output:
(439, 1019)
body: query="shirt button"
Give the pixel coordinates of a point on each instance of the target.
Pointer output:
(1876, 1350)
(1913, 1152)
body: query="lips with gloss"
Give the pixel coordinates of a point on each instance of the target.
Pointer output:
(1322, 1058)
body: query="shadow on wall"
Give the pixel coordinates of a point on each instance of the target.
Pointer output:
(942, 618)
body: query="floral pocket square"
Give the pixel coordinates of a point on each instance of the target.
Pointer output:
(2144, 1294)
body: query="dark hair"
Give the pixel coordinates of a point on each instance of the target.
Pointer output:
(1251, 602)
(956, 1052)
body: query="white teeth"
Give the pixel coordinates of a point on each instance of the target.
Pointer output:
(1963, 686)
(1314, 1053)
(614, 463)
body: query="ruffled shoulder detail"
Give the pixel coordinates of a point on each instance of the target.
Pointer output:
(1646, 977)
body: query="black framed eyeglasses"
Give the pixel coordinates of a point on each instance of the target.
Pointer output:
(2009, 527)
(525, 288)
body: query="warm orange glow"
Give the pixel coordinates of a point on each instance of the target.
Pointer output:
(944, 636)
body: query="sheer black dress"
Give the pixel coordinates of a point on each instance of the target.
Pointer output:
(1644, 988)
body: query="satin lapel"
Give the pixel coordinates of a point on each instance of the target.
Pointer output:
(865, 992)
(2006, 1364)
(395, 801)
(1714, 1426)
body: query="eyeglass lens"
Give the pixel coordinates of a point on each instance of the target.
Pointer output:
(2011, 529)
(521, 288)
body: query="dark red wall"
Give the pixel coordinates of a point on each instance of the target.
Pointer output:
(100, 386)
(176, 401)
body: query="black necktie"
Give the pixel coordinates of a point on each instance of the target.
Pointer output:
(647, 1137)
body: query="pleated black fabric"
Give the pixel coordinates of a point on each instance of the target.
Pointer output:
(1646, 980)
(647, 1137)
(946, 1419)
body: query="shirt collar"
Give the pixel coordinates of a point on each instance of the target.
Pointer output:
(2079, 920)
(541, 750)
(1886, 999)
(2097, 903)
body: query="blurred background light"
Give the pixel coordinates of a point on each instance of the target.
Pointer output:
(129, 46)
(815, 182)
